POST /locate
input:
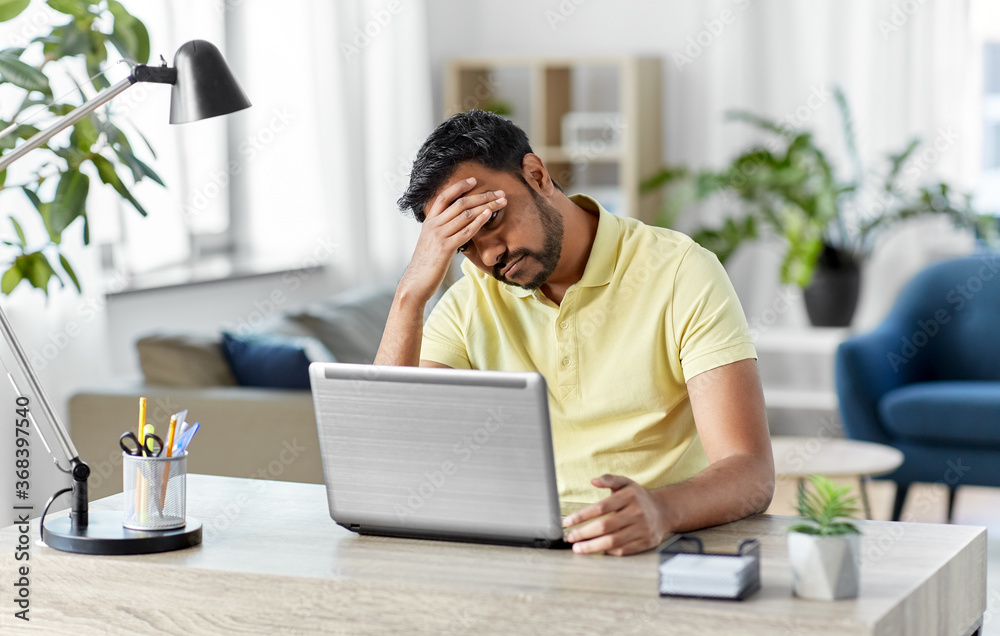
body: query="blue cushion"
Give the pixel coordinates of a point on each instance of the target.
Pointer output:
(944, 413)
(263, 362)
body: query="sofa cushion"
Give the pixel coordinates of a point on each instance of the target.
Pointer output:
(350, 324)
(945, 413)
(183, 360)
(264, 361)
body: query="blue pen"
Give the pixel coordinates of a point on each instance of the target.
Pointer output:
(181, 429)
(183, 444)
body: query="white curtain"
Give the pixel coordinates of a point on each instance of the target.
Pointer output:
(352, 80)
(908, 69)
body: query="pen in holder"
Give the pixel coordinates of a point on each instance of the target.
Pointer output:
(155, 492)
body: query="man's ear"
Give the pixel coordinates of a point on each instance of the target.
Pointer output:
(536, 175)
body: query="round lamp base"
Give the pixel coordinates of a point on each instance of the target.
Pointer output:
(105, 534)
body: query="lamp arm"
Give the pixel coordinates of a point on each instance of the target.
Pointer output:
(78, 468)
(66, 121)
(36, 389)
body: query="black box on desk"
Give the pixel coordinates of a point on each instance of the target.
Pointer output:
(686, 570)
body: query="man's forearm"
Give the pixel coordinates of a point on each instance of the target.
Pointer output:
(728, 490)
(400, 346)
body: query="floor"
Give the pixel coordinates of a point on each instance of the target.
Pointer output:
(973, 506)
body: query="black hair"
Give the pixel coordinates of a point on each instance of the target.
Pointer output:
(486, 138)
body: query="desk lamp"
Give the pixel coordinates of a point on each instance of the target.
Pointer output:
(203, 87)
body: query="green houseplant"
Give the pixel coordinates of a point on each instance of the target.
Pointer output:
(96, 145)
(824, 548)
(829, 224)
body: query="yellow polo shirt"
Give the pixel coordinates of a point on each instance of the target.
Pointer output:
(652, 309)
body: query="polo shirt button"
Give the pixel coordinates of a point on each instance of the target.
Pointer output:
(565, 362)
(564, 324)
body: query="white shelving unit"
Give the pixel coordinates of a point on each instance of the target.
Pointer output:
(797, 372)
(552, 85)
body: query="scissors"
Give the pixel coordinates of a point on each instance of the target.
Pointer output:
(152, 446)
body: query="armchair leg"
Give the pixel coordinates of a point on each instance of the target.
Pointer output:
(897, 505)
(951, 501)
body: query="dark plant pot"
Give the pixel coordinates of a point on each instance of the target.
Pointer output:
(832, 296)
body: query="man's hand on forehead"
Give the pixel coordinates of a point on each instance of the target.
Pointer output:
(459, 198)
(453, 217)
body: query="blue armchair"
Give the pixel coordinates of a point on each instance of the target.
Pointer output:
(927, 380)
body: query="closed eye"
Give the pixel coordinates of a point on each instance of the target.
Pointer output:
(493, 217)
(490, 223)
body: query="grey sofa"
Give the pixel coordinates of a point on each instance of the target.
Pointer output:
(246, 431)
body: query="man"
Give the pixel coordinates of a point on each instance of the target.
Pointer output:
(653, 385)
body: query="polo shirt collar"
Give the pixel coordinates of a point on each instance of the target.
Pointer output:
(603, 253)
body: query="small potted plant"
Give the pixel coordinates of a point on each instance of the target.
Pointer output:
(824, 549)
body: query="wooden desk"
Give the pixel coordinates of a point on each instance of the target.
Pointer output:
(274, 563)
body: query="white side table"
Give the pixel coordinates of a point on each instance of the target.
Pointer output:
(800, 457)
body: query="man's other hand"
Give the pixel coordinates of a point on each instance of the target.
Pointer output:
(633, 523)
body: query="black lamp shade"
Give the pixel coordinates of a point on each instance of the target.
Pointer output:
(205, 86)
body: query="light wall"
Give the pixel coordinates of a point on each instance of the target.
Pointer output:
(769, 56)
(779, 58)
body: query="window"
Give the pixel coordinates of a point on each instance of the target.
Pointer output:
(988, 192)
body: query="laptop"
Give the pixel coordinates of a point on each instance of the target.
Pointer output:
(434, 453)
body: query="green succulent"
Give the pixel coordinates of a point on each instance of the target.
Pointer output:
(825, 509)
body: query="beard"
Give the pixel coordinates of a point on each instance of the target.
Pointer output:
(548, 257)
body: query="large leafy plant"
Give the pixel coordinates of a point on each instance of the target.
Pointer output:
(96, 144)
(789, 188)
(825, 509)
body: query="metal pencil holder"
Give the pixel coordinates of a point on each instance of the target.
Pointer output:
(155, 492)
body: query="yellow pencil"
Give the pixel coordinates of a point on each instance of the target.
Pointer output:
(166, 465)
(142, 422)
(170, 435)
(139, 495)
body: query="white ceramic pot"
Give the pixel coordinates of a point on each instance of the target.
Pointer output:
(824, 568)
